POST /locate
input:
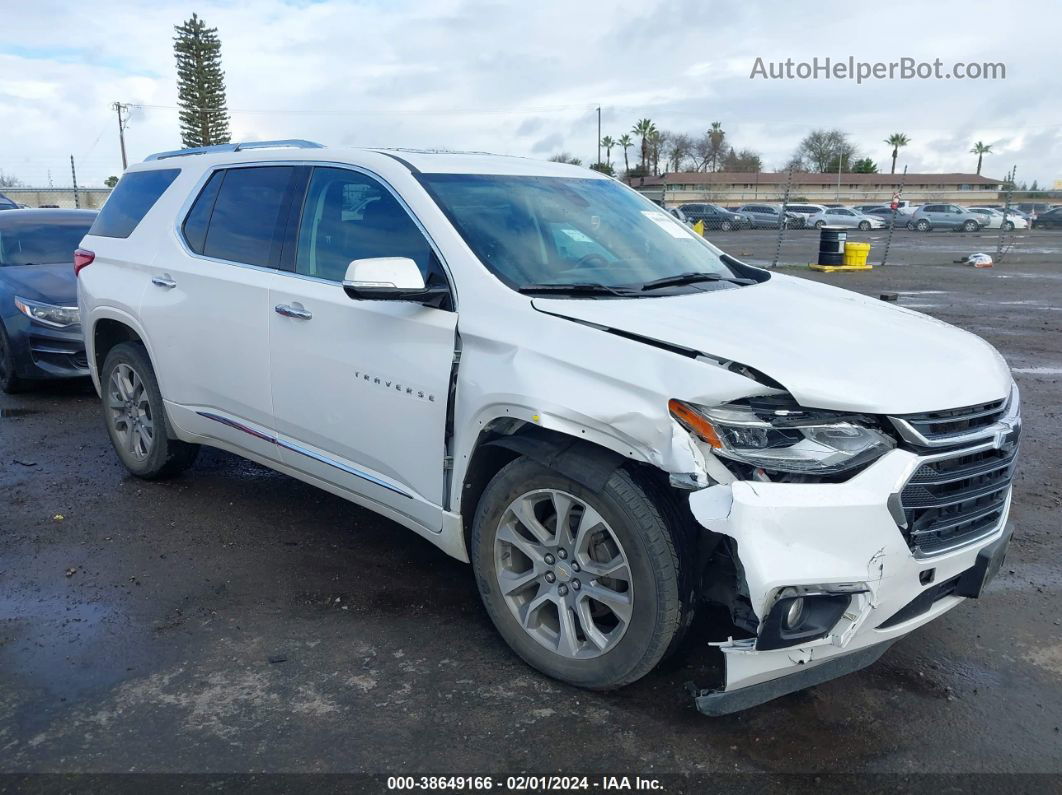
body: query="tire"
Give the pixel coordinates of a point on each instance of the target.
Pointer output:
(136, 418)
(922, 226)
(820, 224)
(9, 382)
(1008, 226)
(726, 226)
(864, 226)
(970, 226)
(619, 645)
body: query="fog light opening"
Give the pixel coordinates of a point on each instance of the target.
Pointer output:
(794, 613)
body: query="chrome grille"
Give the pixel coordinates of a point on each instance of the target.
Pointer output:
(952, 500)
(941, 426)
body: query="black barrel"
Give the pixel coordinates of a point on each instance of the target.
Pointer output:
(831, 245)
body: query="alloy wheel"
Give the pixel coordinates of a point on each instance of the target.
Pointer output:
(563, 574)
(129, 411)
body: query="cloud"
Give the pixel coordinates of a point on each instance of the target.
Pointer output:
(473, 74)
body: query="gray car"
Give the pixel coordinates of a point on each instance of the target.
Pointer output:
(945, 216)
(768, 216)
(842, 216)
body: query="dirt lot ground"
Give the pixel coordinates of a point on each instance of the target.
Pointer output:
(236, 620)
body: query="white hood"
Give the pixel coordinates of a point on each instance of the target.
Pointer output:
(830, 348)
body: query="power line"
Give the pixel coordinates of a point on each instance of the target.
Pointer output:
(379, 111)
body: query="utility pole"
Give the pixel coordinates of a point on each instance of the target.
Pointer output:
(73, 174)
(598, 133)
(123, 121)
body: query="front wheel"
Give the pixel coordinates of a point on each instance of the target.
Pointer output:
(970, 226)
(136, 418)
(864, 226)
(583, 585)
(726, 226)
(820, 224)
(9, 382)
(1009, 226)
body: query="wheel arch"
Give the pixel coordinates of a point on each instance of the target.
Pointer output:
(504, 440)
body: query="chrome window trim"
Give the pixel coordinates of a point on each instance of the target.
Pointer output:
(197, 188)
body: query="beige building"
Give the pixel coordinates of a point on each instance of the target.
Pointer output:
(732, 188)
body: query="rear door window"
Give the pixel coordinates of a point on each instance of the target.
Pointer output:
(249, 217)
(195, 224)
(129, 202)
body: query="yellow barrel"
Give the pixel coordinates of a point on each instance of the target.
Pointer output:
(855, 254)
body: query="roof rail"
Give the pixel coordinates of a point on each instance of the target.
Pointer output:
(296, 143)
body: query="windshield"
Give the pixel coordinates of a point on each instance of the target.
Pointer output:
(555, 231)
(34, 244)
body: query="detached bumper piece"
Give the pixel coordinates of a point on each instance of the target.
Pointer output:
(715, 703)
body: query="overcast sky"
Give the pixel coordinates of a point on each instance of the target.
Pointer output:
(524, 78)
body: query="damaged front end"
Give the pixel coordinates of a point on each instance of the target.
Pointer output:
(819, 575)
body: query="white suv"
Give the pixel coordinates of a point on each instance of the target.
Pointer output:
(541, 372)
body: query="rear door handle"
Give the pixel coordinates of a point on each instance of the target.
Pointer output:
(163, 281)
(296, 312)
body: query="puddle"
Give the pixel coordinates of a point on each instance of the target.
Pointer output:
(5, 413)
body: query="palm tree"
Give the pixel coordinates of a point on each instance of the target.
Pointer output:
(716, 136)
(626, 142)
(981, 150)
(608, 142)
(896, 140)
(656, 143)
(643, 129)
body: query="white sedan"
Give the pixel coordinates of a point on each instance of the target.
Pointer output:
(993, 218)
(842, 216)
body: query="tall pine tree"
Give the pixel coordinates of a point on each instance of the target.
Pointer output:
(200, 84)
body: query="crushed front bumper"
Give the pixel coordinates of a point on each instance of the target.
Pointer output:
(827, 537)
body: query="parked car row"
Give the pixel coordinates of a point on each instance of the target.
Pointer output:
(867, 217)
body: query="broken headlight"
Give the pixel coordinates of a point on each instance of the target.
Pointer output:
(783, 437)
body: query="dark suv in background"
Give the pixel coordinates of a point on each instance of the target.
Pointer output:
(715, 217)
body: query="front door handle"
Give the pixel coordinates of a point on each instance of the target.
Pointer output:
(296, 312)
(164, 281)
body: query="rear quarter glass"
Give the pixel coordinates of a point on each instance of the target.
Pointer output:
(129, 202)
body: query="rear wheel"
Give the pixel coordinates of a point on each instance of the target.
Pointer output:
(136, 418)
(584, 586)
(922, 226)
(820, 224)
(9, 382)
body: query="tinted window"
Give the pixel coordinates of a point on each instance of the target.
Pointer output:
(42, 242)
(348, 216)
(195, 225)
(129, 202)
(250, 214)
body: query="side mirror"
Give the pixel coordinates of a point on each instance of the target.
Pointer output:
(390, 279)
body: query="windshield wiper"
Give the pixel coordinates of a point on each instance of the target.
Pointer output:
(692, 278)
(585, 288)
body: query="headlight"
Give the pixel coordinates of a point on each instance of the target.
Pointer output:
(789, 439)
(49, 314)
